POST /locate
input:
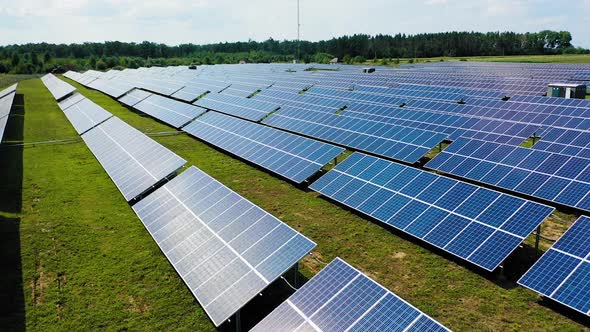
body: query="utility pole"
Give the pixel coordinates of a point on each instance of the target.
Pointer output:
(298, 34)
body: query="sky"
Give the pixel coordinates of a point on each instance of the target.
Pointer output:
(175, 22)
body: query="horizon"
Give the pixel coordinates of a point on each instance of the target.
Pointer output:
(205, 22)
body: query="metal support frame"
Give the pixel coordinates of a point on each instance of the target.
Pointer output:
(537, 239)
(335, 161)
(296, 275)
(440, 147)
(238, 321)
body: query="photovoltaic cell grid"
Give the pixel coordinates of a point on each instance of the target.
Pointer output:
(292, 156)
(226, 249)
(453, 124)
(565, 141)
(114, 88)
(388, 140)
(170, 111)
(5, 106)
(245, 108)
(550, 176)
(195, 89)
(134, 97)
(58, 88)
(82, 113)
(341, 298)
(479, 225)
(563, 272)
(134, 161)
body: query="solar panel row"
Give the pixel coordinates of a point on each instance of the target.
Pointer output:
(226, 249)
(58, 88)
(476, 224)
(563, 272)
(550, 176)
(292, 156)
(134, 162)
(6, 100)
(170, 111)
(82, 113)
(134, 96)
(391, 141)
(341, 298)
(245, 108)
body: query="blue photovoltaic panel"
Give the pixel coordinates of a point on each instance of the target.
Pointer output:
(226, 249)
(551, 176)
(563, 272)
(170, 111)
(82, 113)
(134, 161)
(392, 141)
(58, 88)
(289, 155)
(245, 108)
(476, 224)
(341, 298)
(5, 106)
(134, 97)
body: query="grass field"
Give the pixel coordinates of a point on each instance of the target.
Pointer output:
(79, 259)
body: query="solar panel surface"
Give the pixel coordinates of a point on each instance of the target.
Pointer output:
(84, 114)
(563, 272)
(58, 88)
(134, 161)
(476, 224)
(226, 249)
(170, 111)
(550, 176)
(5, 107)
(341, 298)
(294, 157)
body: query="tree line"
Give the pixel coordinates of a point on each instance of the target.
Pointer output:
(43, 57)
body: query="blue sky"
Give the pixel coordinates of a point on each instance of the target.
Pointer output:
(207, 21)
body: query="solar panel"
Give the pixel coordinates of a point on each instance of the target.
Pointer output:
(134, 161)
(245, 108)
(563, 272)
(550, 176)
(226, 249)
(190, 93)
(8, 90)
(170, 111)
(70, 101)
(82, 113)
(341, 298)
(112, 87)
(134, 97)
(294, 157)
(58, 88)
(392, 141)
(479, 225)
(5, 107)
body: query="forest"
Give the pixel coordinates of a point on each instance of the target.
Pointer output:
(36, 58)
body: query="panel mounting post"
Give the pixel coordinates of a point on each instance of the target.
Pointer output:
(537, 239)
(296, 275)
(238, 322)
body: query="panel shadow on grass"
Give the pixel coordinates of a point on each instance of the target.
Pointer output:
(12, 306)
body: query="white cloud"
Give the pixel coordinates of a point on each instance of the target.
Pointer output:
(206, 21)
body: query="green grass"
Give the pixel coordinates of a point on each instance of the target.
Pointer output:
(88, 263)
(10, 79)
